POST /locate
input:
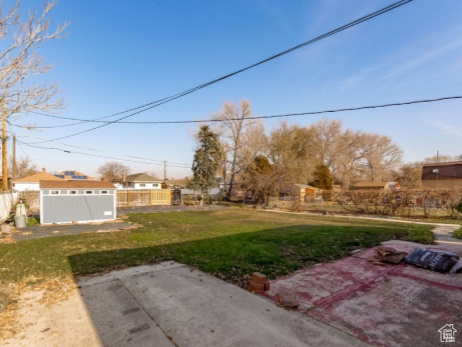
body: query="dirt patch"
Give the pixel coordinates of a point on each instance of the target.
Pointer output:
(17, 298)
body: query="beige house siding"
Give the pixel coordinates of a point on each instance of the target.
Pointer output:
(451, 183)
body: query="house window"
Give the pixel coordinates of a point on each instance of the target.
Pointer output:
(54, 192)
(142, 185)
(104, 192)
(89, 192)
(72, 192)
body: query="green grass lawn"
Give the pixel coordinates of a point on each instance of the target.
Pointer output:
(457, 234)
(230, 244)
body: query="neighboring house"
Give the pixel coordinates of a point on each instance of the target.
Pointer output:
(31, 183)
(212, 192)
(177, 184)
(73, 175)
(141, 181)
(80, 201)
(388, 186)
(304, 192)
(442, 175)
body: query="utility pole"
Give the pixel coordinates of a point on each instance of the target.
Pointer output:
(165, 171)
(4, 151)
(13, 168)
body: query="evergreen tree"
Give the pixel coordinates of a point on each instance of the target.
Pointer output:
(206, 161)
(322, 178)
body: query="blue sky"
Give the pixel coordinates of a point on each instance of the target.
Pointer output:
(121, 54)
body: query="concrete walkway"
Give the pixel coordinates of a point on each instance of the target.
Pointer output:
(169, 304)
(443, 235)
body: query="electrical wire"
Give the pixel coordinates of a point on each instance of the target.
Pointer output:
(156, 103)
(346, 109)
(98, 150)
(99, 156)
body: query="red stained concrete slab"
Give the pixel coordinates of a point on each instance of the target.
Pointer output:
(397, 305)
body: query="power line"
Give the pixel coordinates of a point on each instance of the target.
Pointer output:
(99, 156)
(97, 150)
(159, 102)
(369, 107)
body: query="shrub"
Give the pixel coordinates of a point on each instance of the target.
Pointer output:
(406, 202)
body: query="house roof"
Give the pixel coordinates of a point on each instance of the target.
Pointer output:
(81, 184)
(371, 184)
(305, 186)
(378, 185)
(35, 178)
(73, 175)
(141, 177)
(449, 170)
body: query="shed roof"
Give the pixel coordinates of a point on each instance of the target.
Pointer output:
(35, 178)
(141, 177)
(82, 184)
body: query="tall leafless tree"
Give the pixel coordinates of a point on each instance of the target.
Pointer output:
(241, 138)
(21, 90)
(113, 171)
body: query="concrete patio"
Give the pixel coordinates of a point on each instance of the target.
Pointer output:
(396, 305)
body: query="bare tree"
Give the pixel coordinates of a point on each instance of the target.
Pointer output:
(238, 138)
(290, 148)
(380, 156)
(20, 65)
(324, 138)
(409, 175)
(347, 166)
(113, 171)
(442, 158)
(24, 167)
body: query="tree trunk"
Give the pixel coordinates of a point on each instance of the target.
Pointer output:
(4, 151)
(202, 199)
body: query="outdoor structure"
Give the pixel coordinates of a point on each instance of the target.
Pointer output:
(140, 181)
(177, 184)
(73, 175)
(389, 186)
(31, 183)
(442, 175)
(80, 201)
(304, 192)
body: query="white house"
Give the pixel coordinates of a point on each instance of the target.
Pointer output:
(32, 182)
(140, 181)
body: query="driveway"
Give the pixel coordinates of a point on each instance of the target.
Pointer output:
(168, 304)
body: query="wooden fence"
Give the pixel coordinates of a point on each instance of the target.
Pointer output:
(7, 201)
(144, 197)
(31, 198)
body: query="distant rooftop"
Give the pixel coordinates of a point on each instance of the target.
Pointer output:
(73, 175)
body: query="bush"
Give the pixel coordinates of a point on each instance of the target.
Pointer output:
(457, 234)
(459, 206)
(406, 202)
